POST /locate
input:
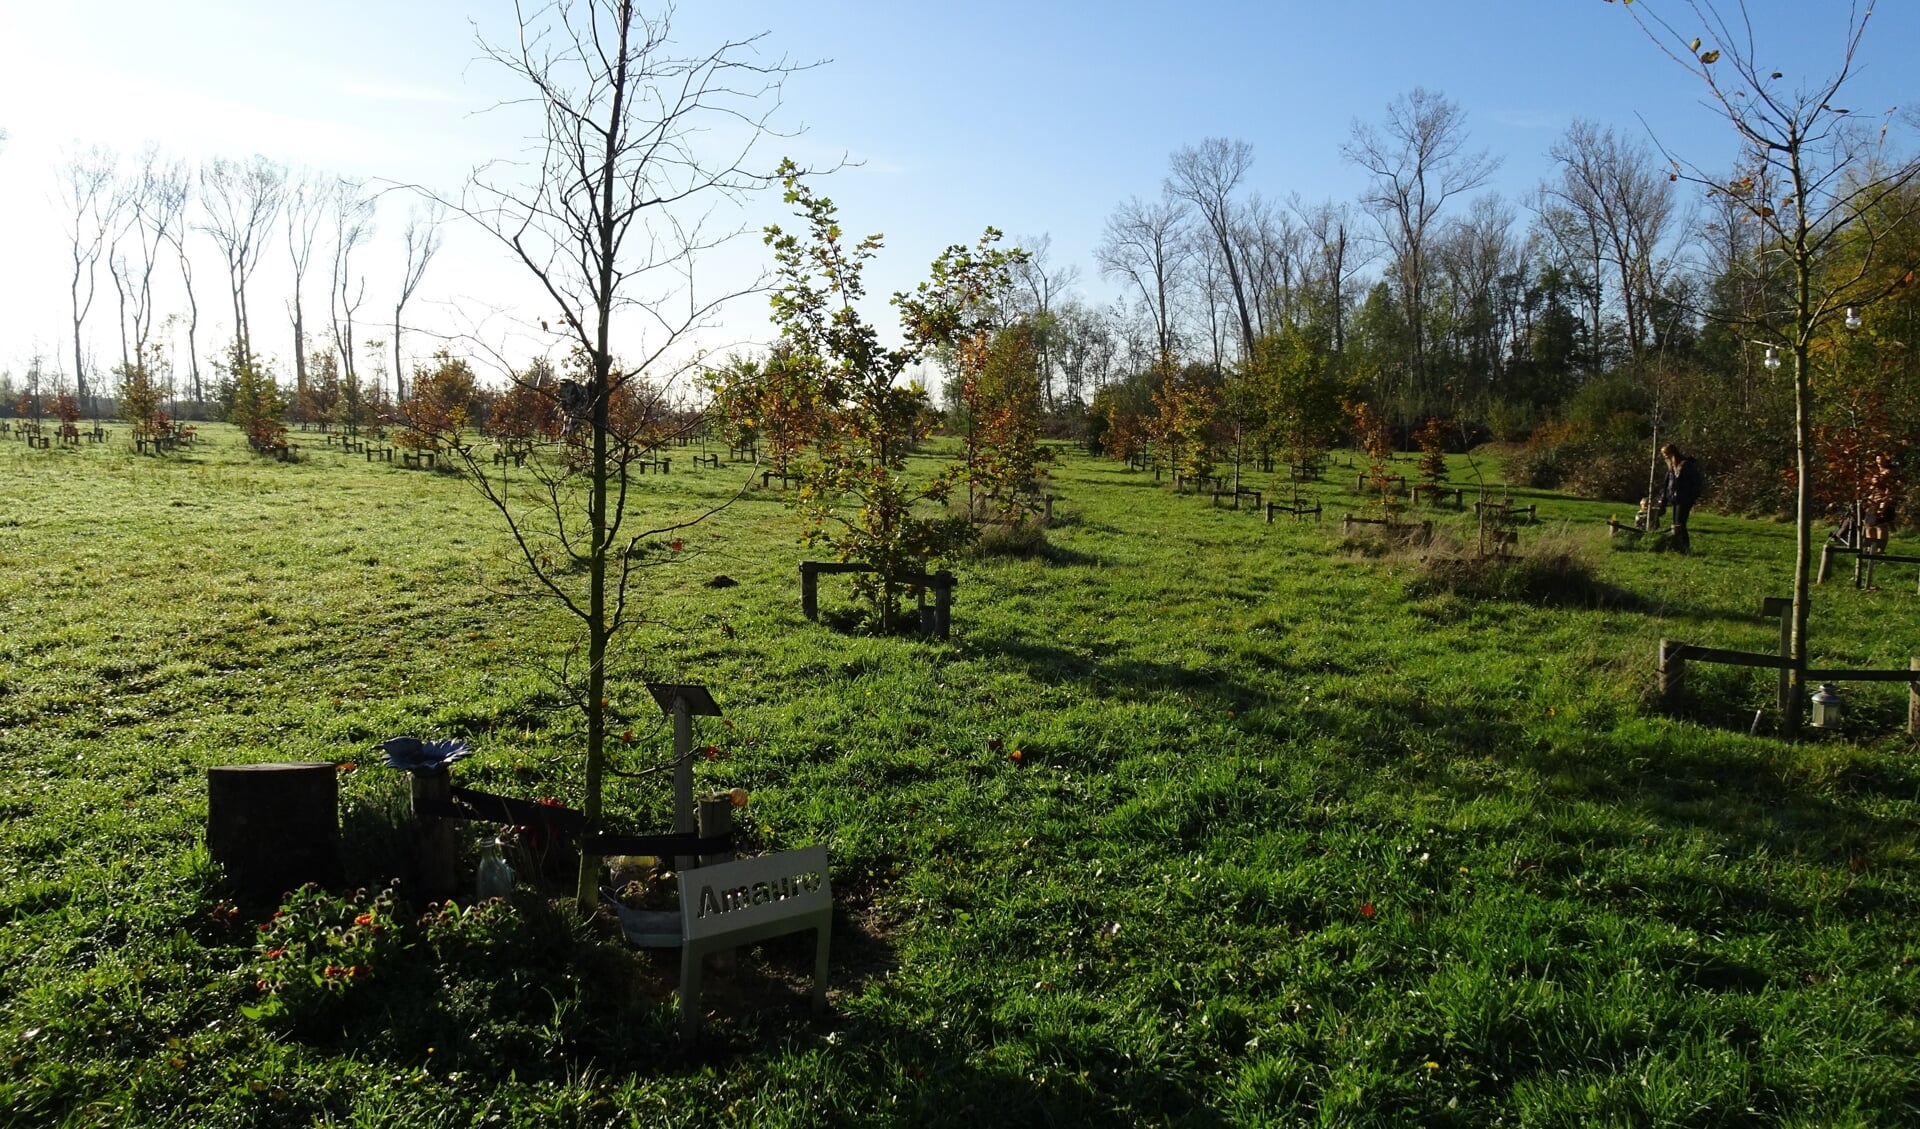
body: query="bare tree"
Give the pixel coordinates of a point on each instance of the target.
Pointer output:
(176, 237)
(1039, 286)
(154, 203)
(1086, 349)
(638, 142)
(1842, 197)
(308, 196)
(87, 195)
(353, 214)
(1206, 175)
(1418, 161)
(422, 239)
(240, 202)
(1144, 244)
(1473, 255)
(1624, 204)
(1336, 259)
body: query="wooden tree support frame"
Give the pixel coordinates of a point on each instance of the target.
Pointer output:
(1502, 513)
(1364, 483)
(1236, 495)
(1674, 656)
(1393, 528)
(935, 621)
(1297, 508)
(1863, 563)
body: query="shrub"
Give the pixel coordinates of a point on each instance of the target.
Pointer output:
(318, 951)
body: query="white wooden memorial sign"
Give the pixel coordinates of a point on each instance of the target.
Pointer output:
(737, 903)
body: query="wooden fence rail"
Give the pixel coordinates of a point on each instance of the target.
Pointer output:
(936, 620)
(1675, 655)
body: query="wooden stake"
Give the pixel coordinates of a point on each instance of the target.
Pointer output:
(683, 814)
(1913, 699)
(438, 848)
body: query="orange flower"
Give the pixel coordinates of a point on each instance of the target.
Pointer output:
(364, 919)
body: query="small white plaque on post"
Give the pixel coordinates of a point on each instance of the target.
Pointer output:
(737, 903)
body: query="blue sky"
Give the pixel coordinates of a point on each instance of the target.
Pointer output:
(1031, 117)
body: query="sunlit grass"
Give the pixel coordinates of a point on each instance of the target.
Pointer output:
(1294, 833)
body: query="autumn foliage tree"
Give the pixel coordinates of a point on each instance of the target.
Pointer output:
(770, 405)
(957, 311)
(1374, 435)
(526, 414)
(253, 398)
(1182, 421)
(1432, 465)
(856, 492)
(440, 404)
(142, 393)
(1005, 457)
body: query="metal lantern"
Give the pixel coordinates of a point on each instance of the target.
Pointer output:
(1773, 359)
(1826, 707)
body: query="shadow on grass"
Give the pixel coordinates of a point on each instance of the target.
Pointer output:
(1761, 802)
(1107, 678)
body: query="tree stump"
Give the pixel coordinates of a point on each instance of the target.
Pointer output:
(274, 827)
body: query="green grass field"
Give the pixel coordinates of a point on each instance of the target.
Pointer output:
(1298, 832)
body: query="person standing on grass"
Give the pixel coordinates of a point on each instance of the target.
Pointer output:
(1684, 483)
(1883, 504)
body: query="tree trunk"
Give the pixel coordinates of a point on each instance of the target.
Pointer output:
(79, 367)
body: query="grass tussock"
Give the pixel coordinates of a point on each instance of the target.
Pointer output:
(1555, 571)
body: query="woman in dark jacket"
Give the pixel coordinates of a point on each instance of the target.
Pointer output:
(1684, 483)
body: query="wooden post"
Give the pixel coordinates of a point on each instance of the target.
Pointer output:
(437, 850)
(683, 813)
(809, 590)
(1782, 607)
(1913, 699)
(716, 818)
(1672, 672)
(942, 604)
